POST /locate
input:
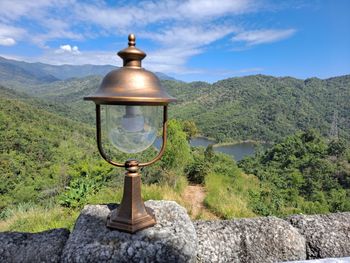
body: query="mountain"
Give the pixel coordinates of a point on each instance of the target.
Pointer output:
(258, 107)
(264, 108)
(14, 74)
(163, 76)
(18, 73)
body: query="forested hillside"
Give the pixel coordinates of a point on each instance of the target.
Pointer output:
(264, 107)
(41, 152)
(261, 108)
(305, 174)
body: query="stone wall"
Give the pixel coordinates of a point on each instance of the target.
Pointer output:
(176, 238)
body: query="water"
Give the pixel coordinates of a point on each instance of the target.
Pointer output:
(237, 151)
(201, 141)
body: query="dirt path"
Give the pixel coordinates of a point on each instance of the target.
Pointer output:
(194, 196)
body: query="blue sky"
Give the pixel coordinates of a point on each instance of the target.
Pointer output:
(190, 40)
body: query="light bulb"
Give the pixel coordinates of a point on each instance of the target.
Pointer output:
(133, 120)
(132, 129)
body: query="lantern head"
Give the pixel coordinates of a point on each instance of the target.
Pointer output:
(134, 97)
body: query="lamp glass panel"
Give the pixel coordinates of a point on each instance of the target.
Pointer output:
(132, 129)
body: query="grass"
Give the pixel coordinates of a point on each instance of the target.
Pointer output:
(31, 218)
(149, 192)
(227, 196)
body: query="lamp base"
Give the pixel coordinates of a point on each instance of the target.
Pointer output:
(132, 215)
(131, 226)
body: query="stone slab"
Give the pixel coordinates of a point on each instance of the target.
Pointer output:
(326, 235)
(324, 260)
(264, 239)
(172, 239)
(45, 246)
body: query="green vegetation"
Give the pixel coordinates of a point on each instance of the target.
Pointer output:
(263, 108)
(259, 108)
(304, 174)
(42, 154)
(50, 167)
(227, 188)
(29, 217)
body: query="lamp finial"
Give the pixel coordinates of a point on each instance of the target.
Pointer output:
(132, 40)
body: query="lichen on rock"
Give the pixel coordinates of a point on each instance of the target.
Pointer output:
(45, 246)
(172, 239)
(268, 239)
(326, 235)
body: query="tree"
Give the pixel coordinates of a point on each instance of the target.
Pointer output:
(190, 128)
(336, 148)
(177, 155)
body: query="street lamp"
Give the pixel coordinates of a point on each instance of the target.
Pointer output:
(132, 96)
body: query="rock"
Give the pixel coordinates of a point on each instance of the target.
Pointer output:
(325, 260)
(172, 239)
(267, 239)
(326, 235)
(45, 246)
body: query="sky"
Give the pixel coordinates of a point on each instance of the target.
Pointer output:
(193, 40)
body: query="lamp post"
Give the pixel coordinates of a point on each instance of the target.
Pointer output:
(132, 97)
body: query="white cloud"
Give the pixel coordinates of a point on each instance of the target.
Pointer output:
(56, 29)
(7, 41)
(191, 36)
(11, 10)
(170, 60)
(257, 37)
(68, 49)
(9, 35)
(190, 41)
(201, 9)
(49, 18)
(189, 25)
(148, 12)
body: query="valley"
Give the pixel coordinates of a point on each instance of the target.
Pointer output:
(49, 161)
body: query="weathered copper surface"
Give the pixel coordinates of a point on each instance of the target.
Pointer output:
(132, 215)
(131, 84)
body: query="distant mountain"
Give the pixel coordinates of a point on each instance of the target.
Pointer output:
(13, 73)
(63, 72)
(17, 73)
(163, 76)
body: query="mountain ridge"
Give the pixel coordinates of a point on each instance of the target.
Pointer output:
(39, 73)
(257, 107)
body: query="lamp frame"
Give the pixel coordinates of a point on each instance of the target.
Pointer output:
(132, 215)
(135, 86)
